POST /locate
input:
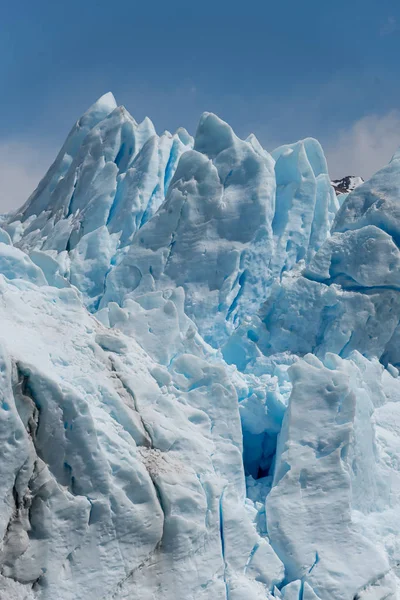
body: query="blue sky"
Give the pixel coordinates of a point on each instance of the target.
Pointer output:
(283, 70)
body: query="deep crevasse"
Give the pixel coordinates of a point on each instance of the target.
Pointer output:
(228, 424)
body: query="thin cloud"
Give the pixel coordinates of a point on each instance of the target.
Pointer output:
(389, 27)
(22, 165)
(365, 147)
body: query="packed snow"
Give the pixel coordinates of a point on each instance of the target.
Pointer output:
(199, 364)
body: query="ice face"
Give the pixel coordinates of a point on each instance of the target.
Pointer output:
(311, 493)
(232, 221)
(199, 372)
(123, 473)
(206, 235)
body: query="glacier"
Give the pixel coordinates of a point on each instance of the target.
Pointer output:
(199, 361)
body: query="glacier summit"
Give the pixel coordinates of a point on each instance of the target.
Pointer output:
(199, 364)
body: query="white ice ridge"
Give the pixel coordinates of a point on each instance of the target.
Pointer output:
(199, 361)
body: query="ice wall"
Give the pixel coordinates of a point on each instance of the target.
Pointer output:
(199, 366)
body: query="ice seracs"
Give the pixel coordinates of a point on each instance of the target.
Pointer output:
(199, 372)
(233, 219)
(212, 236)
(111, 173)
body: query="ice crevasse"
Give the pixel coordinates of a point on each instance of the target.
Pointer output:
(200, 394)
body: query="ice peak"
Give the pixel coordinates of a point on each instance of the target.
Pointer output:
(145, 130)
(184, 136)
(312, 148)
(213, 135)
(253, 141)
(96, 112)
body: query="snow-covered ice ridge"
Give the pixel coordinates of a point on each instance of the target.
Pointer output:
(200, 354)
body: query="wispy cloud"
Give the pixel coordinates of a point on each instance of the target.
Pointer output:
(22, 165)
(389, 26)
(364, 147)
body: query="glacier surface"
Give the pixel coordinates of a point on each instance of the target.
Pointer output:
(199, 363)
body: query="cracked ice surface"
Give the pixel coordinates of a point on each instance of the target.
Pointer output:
(199, 372)
(118, 468)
